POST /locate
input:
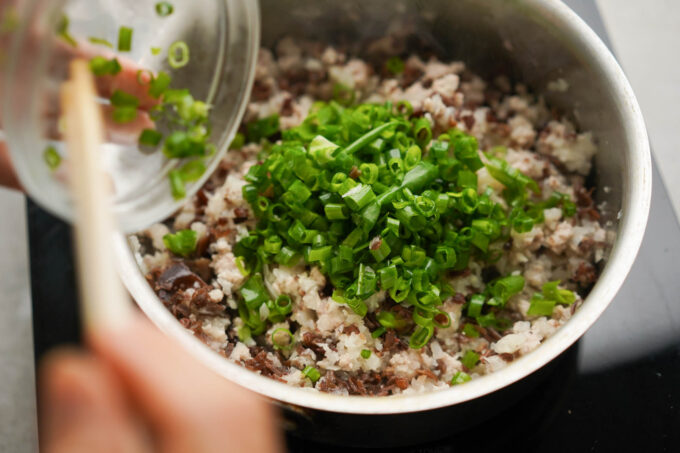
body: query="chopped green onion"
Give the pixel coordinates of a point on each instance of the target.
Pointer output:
(285, 256)
(562, 296)
(366, 281)
(543, 304)
(63, 31)
(413, 156)
(335, 211)
(178, 54)
(380, 249)
(540, 306)
(388, 277)
(469, 359)
(125, 106)
(465, 149)
(263, 128)
(182, 243)
(421, 336)
(192, 171)
(159, 85)
(490, 320)
(390, 320)
(164, 9)
(188, 139)
(238, 141)
(122, 99)
(150, 137)
(272, 244)
(442, 320)
(395, 65)
(514, 181)
(156, 51)
(101, 66)
(378, 332)
(321, 149)
(358, 306)
(476, 304)
(244, 333)
(470, 331)
(358, 197)
(52, 158)
(254, 292)
(124, 39)
(460, 378)
(284, 304)
(177, 184)
(180, 144)
(422, 130)
(252, 319)
(423, 317)
(124, 114)
(445, 257)
(365, 139)
(100, 41)
(568, 206)
(242, 266)
(365, 353)
(369, 173)
(285, 343)
(312, 373)
(343, 95)
(320, 254)
(503, 289)
(144, 77)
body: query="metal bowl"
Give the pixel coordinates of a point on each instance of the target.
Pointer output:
(535, 42)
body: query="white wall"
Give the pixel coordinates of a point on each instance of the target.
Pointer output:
(646, 39)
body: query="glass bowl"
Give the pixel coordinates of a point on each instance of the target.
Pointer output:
(223, 38)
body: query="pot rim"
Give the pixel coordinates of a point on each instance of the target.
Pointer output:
(635, 212)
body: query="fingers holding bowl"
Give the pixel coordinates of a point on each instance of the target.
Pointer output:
(8, 177)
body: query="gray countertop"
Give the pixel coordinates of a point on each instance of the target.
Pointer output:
(17, 384)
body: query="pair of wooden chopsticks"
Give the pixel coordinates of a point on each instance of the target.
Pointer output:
(104, 302)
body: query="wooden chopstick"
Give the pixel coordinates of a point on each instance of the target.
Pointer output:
(104, 302)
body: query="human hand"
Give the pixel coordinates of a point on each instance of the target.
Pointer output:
(7, 176)
(138, 391)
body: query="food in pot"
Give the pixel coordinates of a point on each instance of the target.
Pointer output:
(383, 226)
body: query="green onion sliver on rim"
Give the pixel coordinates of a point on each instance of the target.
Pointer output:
(52, 158)
(164, 9)
(125, 39)
(178, 54)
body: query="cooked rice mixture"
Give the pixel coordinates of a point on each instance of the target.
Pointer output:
(201, 290)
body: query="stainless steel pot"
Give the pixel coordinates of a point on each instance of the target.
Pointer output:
(533, 41)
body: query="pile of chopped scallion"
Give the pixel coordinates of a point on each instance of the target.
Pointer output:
(370, 197)
(365, 193)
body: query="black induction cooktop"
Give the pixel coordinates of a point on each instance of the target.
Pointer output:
(616, 390)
